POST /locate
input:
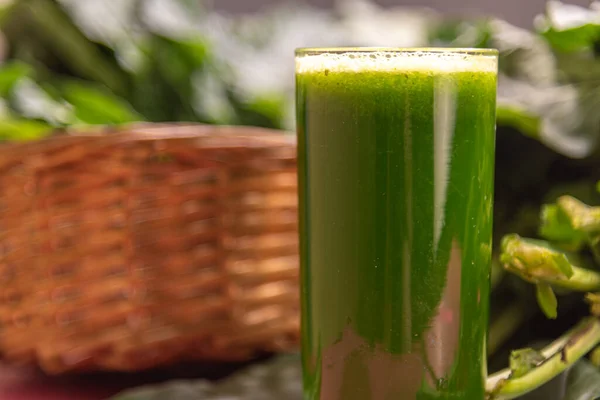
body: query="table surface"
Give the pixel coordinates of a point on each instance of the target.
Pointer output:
(30, 384)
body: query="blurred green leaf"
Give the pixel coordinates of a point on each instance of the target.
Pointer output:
(93, 105)
(520, 118)
(6, 6)
(261, 111)
(164, 87)
(461, 33)
(10, 73)
(533, 98)
(16, 130)
(51, 31)
(569, 27)
(32, 101)
(546, 299)
(534, 259)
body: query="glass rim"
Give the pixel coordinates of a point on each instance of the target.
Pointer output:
(469, 51)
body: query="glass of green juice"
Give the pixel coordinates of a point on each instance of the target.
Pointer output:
(395, 171)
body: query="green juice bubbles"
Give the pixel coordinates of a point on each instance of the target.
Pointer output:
(396, 167)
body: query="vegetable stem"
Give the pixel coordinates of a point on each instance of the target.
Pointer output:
(558, 356)
(583, 280)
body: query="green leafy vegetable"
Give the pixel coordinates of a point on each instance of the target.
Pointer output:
(18, 130)
(555, 226)
(573, 223)
(568, 27)
(535, 260)
(10, 74)
(94, 105)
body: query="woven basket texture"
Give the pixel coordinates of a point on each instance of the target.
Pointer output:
(147, 246)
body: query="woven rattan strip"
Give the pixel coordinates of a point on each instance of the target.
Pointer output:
(147, 246)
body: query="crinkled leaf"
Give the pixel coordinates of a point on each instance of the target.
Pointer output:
(572, 223)
(581, 72)
(551, 114)
(534, 259)
(533, 98)
(524, 56)
(555, 226)
(581, 217)
(569, 27)
(546, 299)
(524, 360)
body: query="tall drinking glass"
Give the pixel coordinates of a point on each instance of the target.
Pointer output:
(396, 160)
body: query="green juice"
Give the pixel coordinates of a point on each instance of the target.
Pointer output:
(396, 167)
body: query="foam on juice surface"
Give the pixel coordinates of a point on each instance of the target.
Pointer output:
(390, 61)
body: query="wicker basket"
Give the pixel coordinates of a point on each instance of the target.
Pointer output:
(148, 246)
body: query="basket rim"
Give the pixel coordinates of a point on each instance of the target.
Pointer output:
(143, 131)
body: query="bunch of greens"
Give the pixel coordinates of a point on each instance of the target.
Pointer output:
(87, 62)
(565, 260)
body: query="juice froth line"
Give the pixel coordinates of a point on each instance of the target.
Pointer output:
(395, 61)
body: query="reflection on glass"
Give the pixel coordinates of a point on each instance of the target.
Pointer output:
(396, 164)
